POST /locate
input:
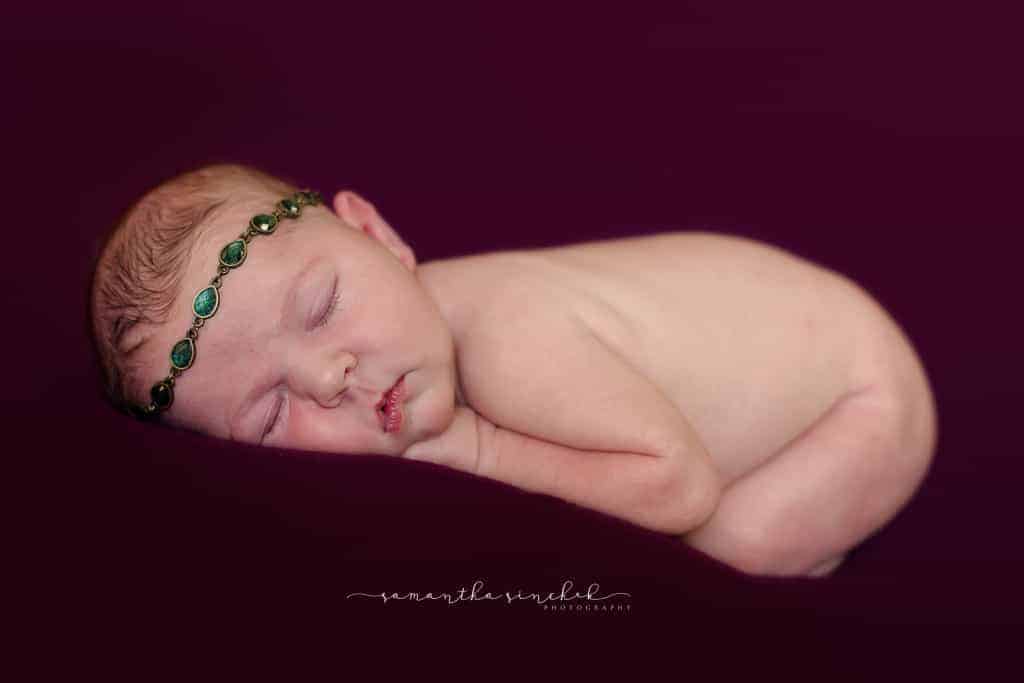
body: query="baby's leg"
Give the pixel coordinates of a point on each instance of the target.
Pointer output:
(824, 492)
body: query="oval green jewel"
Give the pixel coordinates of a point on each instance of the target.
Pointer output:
(264, 223)
(183, 353)
(233, 254)
(206, 302)
(162, 395)
(290, 207)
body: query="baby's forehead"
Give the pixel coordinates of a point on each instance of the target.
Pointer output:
(232, 225)
(255, 302)
(280, 254)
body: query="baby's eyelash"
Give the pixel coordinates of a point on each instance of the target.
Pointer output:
(273, 423)
(330, 310)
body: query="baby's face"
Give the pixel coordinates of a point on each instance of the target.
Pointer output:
(280, 364)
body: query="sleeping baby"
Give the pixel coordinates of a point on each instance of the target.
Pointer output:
(762, 408)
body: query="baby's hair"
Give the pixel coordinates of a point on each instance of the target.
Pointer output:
(138, 273)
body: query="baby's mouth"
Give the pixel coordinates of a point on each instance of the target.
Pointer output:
(389, 408)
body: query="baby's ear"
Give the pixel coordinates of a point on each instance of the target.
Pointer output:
(363, 216)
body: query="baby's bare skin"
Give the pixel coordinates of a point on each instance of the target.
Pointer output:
(659, 379)
(751, 343)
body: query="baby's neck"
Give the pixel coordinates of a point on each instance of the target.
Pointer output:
(444, 280)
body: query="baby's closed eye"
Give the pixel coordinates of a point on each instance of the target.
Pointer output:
(333, 300)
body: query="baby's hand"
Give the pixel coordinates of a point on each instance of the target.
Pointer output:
(457, 447)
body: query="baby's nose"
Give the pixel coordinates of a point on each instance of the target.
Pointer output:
(336, 384)
(333, 399)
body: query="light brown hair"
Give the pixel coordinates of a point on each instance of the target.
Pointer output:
(141, 263)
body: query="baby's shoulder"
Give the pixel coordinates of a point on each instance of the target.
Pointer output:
(487, 283)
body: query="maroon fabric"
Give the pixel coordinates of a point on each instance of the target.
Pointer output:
(882, 142)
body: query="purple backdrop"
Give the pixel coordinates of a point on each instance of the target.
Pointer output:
(881, 141)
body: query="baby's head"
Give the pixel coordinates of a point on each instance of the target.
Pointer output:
(323, 316)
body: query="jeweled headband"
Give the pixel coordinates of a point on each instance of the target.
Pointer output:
(207, 300)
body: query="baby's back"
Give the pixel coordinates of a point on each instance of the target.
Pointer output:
(751, 343)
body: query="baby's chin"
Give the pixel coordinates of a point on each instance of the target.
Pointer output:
(429, 415)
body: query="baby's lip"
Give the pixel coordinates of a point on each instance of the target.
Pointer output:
(399, 384)
(397, 391)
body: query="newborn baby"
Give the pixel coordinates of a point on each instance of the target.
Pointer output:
(764, 409)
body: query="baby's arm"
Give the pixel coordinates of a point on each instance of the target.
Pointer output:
(575, 421)
(646, 490)
(457, 447)
(627, 485)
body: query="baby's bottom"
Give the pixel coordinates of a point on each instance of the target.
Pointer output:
(802, 510)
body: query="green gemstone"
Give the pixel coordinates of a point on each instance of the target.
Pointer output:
(290, 207)
(264, 223)
(162, 395)
(233, 254)
(183, 353)
(206, 302)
